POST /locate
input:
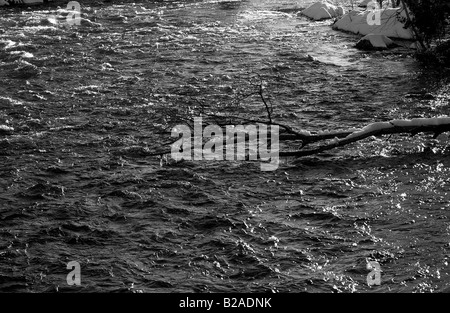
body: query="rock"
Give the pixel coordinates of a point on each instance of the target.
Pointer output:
(322, 10)
(389, 25)
(375, 42)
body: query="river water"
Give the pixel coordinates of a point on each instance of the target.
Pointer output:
(81, 109)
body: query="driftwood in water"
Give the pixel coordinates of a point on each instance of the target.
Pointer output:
(435, 126)
(328, 140)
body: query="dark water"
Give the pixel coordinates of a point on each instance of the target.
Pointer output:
(82, 108)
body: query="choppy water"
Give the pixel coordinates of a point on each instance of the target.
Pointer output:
(82, 108)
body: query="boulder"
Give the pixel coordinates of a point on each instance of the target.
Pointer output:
(323, 10)
(375, 42)
(389, 25)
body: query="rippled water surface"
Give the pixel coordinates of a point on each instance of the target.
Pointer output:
(82, 109)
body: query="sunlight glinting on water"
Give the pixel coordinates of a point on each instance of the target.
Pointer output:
(82, 110)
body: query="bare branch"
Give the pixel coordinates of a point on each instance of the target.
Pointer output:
(261, 95)
(436, 126)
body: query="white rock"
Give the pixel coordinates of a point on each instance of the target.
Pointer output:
(357, 22)
(373, 41)
(322, 10)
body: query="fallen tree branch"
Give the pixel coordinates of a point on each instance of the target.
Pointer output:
(437, 126)
(269, 110)
(290, 135)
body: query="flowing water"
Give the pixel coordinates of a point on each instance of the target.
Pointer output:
(82, 108)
